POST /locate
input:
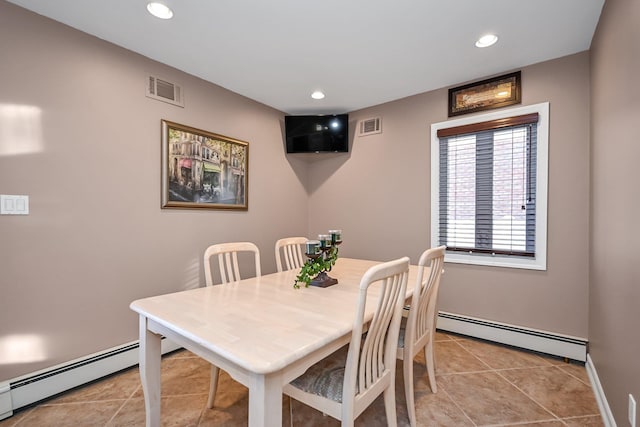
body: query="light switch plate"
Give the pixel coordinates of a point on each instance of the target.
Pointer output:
(14, 205)
(632, 411)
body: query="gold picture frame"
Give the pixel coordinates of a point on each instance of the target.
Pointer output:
(203, 170)
(487, 94)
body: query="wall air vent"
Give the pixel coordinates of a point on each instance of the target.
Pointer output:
(370, 126)
(165, 91)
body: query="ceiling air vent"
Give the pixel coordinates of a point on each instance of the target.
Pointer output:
(370, 126)
(165, 91)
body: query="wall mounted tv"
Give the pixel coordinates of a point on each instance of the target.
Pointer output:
(317, 134)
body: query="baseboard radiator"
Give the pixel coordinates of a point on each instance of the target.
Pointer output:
(531, 339)
(40, 385)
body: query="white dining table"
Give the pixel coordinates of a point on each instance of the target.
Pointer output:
(261, 331)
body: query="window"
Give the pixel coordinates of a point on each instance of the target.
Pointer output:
(489, 187)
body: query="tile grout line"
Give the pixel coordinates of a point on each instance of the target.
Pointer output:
(50, 405)
(465, 373)
(497, 372)
(443, 389)
(489, 368)
(532, 399)
(203, 411)
(476, 357)
(522, 368)
(523, 423)
(26, 416)
(554, 416)
(559, 368)
(462, 373)
(123, 404)
(574, 376)
(547, 365)
(201, 416)
(577, 417)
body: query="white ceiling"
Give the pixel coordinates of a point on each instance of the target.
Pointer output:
(359, 52)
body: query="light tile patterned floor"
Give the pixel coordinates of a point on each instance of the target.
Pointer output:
(479, 384)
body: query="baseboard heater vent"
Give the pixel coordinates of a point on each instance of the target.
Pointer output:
(40, 385)
(531, 339)
(75, 365)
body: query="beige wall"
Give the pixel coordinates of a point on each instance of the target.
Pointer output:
(614, 312)
(380, 196)
(88, 155)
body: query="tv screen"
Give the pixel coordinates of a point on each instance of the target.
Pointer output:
(316, 134)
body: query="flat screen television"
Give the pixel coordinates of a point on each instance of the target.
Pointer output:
(317, 134)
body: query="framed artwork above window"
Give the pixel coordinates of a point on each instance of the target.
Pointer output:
(496, 92)
(489, 187)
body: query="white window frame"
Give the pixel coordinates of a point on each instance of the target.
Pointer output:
(539, 262)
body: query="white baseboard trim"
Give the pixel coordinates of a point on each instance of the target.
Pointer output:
(603, 404)
(36, 386)
(532, 339)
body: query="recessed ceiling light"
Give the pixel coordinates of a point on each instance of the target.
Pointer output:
(487, 40)
(317, 95)
(159, 10)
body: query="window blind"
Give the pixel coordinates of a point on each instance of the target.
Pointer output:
(487, 190)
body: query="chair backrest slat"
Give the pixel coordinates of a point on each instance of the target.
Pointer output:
(290, 250)
(227, 254)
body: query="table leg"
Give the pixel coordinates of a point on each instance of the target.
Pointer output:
(265, 401)
(150, 372)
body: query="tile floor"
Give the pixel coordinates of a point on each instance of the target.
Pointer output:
(479, 384)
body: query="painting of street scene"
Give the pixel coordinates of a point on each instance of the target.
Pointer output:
(202, 169)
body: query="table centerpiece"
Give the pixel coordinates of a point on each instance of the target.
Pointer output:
(322, 255)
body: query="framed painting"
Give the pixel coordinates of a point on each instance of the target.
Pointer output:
(487, 94)
(203, 170)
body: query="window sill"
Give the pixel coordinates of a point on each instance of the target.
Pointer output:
(495, 261)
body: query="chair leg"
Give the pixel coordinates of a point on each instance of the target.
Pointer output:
(213, 386)
(346, 422)
(431, 371)
(390, 405)
(407, 370)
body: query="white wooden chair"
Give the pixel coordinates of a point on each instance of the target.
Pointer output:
(418, 332)
(345, 383)
(291, 249)
(229, 270)
(227, 254)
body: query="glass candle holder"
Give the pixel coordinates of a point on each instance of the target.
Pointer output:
(336, 236)
(325, 241)
(313, 247)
